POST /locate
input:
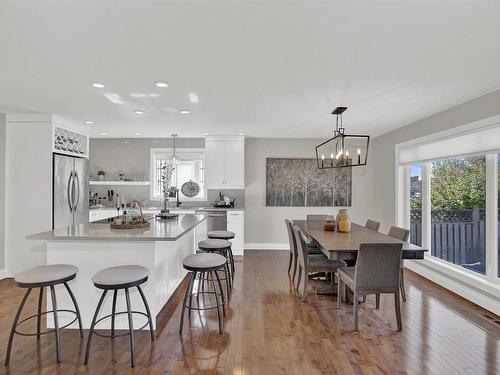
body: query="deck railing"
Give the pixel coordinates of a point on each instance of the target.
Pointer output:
(457, 236)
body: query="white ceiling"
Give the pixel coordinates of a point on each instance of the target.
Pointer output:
(268, 69)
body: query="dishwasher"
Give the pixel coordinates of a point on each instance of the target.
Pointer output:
(216, 220)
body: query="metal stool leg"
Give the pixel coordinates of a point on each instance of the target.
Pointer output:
(218, 292)
(56, 324)
(92, 326)
(39, 315)
(148, 312)
(188, 292)
(219, 315)
(130, 328)
(113, 313)
(228, 285)
(14, 326)
(76, 308)
(231, 256)
(221, 293)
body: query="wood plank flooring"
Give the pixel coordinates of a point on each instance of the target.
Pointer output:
(269, 331)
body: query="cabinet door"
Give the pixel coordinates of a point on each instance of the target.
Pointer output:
(234, 165)
(236, 224)
(214, 165)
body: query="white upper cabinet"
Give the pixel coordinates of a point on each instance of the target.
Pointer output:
(225, 162)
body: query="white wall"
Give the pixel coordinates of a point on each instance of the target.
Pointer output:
(382, 163)
(265, 226)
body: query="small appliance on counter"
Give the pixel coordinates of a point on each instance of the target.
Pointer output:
(224, 201)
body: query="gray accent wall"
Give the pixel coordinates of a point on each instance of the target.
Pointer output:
(266, 225)
(2, 189)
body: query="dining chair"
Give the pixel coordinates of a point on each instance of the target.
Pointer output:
(376, 272)
(403, 235)
(311, 248)
(311, 263)
(372, 224)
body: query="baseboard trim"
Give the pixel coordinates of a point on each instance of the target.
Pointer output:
(3, 274)
(487, 297)
(267, 246)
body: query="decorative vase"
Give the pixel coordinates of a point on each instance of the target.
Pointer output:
(343, 221)
(329, 224)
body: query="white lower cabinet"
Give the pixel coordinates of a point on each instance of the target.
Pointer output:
(236, 224)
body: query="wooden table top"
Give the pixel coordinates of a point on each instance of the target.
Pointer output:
(333, 243)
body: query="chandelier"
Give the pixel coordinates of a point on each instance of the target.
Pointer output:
(343, 150)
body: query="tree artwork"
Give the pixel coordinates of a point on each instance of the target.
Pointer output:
(299, 182)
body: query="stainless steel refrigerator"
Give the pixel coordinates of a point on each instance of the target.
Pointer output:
(70, 205)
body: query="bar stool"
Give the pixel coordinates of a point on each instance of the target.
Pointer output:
(224, 235)
(204, 263)
(116, 278)
(41, 277)
(221, 247)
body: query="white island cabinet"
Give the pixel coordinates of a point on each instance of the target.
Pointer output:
(92, 247)
(236, 224)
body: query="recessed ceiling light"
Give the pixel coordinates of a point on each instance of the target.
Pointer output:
(104, 133)
(161, 84)
(137, 133)
(138, 112)
(114, 98)
(241, 133)
(89, 122)
(184, 111)
(138, 95)
(97, 85)
(193, 97)
(206, 133)
(154, 95)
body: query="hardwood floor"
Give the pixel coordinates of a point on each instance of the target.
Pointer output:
(269, 331)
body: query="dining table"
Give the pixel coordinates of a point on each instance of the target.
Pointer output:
(345, 245)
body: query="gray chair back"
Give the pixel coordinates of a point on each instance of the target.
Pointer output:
(318, 217)
(372, 224)
(291, 237)
(377, 266)
(399, 233)
(302, 253)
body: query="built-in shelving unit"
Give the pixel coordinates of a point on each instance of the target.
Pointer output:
(120, 183)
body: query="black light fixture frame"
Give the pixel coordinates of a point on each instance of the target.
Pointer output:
(339, 133)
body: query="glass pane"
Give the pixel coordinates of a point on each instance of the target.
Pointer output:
(416, 204)
(458, 211)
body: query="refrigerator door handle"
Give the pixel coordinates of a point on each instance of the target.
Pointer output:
(77, 198)
(70, 185)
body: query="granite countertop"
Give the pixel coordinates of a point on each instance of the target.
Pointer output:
(160, 230)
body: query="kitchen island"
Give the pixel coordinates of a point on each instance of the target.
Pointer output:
(94, 246)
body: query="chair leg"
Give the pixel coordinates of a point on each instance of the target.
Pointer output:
(130, 329)
(290, 259)
(398, 310)
(304, 290)
(339, 291)
(189, 291)
(299, 277)
(146, 306)
(355, 306)
(14, 326)
(402, 284)
(39, 314)
(77, 309)
(377, 300)
(294, 268)
(113, 311)
(56, 324)
(92, 326)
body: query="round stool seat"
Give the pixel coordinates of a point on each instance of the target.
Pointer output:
(46, 275)
(214, 244)
(203, 261)
(221, 234)
(121, 276)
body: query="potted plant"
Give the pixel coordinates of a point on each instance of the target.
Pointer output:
(100, 175)
(166, 177)
(172, 191)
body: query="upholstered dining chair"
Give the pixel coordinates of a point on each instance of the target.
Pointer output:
(311, 248)
(376, 272)
(311, 263)
(403, 235)
(372, 224)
